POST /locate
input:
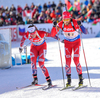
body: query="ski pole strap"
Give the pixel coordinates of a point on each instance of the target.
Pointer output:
(63, 26)
(72, 25)
(38, 35)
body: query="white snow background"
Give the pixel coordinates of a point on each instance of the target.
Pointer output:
(19, 76)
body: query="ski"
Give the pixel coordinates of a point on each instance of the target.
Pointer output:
(48, 87)
(29, 86)
(66, 88)
(79, 87)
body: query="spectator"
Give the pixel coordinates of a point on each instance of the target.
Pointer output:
(2, 17)
(41, 18)
(77, 5)
(49, 5)
(26, 7)
(6, 9)
(45, 7)
(49, 20)
(36, 15)
(48, 12)
(39, 8)
(61, 4)
(34, 11)
(19, 9)
(35, 20)
(28, 21)
(58, 12)
(53, 15)
(53, 5)
(6, 23)
(86, 2)
(1, 22)
(92, 2)
(19, 19)
(12, 16)
(59, 9)
(2, 9)
(32, 6)
(12, 8)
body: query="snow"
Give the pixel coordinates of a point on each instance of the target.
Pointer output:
(19, 76)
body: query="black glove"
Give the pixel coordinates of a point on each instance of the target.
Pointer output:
(62, 41)
(20, 49)
(79, 23)
(54, 23)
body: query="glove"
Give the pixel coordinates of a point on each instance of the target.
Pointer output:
(62, 41)
(54, 23)
(79, 23)
(20, 49)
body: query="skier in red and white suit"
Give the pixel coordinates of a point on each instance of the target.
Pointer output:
(38, 48)
(72, 42)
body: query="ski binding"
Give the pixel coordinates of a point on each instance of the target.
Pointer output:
(48, 87)
(67, 88)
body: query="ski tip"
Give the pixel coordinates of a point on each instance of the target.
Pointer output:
(79, 87)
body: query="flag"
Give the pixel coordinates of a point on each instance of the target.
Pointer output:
(84, 30)
(88, 13)
(69, 6)
(96, 21)
(21, 31)
(26, 13)
(77, 5)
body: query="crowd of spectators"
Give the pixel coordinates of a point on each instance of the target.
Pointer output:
(86, 11)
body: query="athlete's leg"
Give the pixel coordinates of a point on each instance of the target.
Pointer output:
(77, 63)
(42, 53)
(41, 60)
(68, 52)
(76, 48)
(33, 56)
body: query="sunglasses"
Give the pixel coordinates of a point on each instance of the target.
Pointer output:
(67, 19)
(32, 30)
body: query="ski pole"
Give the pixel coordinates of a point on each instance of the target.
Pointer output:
(85, 59)
(20, 59)
(25, 47)
(61, 63)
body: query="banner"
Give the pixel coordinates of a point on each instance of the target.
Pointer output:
(13, 31)
(18, 31)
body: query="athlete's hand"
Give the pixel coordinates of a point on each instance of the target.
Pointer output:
(54, 23)
(79, 23)
(62, 41)
(20, 49)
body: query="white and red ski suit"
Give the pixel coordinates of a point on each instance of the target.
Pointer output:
(72, 42)
(38, 48)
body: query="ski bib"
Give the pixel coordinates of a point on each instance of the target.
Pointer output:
(38, 42)
(71, 35)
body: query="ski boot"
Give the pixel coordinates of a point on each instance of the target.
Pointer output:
(68, 81)
(80, 80)
(49, 81)
(35, 80)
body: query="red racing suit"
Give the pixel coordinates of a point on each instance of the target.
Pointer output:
(72, 42)
(37, 49)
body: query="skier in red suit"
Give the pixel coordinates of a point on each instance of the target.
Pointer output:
(72, 42)
(38, 48)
